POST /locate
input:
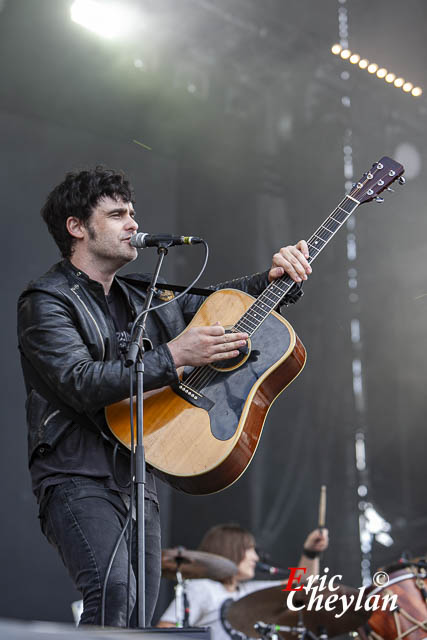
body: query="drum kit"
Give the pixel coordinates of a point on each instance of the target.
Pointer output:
(264, 614)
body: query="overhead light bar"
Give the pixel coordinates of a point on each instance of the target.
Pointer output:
(374, 69)
(107, 19)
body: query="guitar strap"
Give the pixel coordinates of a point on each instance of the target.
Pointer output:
(294, 294)
(177, 288)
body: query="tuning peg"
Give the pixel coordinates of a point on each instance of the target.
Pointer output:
(390, 189)
(379, 199)
(402, 180)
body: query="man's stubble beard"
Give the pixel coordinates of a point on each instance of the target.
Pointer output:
(106, 253)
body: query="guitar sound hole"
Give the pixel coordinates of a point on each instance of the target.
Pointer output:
(233, 363)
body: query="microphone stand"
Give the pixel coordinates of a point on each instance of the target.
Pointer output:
(134, 358)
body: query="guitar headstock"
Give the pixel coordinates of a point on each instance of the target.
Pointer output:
(381, 175)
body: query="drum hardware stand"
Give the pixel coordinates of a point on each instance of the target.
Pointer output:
(181, 601)
(269, 631)
(421, 574)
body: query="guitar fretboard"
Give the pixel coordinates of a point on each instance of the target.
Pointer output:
(278, 289)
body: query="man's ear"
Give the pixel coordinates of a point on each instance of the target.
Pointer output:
(75, 227)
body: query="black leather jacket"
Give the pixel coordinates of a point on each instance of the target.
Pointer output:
(67, 339)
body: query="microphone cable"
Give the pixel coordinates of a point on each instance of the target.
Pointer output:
(164, 304)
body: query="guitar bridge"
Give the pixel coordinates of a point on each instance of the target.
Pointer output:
(191, 395)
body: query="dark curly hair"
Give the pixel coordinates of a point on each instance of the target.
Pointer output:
(77, 196)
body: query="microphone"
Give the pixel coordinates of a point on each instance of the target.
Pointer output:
(142, 240)
(274, 571)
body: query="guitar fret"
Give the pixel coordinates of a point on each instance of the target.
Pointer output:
(348, 203)
(282, 291)
(261, 306)
(339, 217)
(312, 251)
(324, 235)
(354, 199)
(276, 290)
(315, 245)
(257, 314)
(267, 300)
(318, 238)
(248, 320)
(323, 229)
(274, 301)
(241, 326)
(331, 222)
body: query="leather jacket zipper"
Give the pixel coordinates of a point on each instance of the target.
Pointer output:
(74, 290)
(50, 416)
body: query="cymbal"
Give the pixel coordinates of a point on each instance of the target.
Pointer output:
(269, 605)
(196, 564)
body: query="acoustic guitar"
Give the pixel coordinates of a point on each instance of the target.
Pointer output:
(201, 435)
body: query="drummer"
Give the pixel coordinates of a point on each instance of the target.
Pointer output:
(206, 596)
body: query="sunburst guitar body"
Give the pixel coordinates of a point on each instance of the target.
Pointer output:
(203, 450)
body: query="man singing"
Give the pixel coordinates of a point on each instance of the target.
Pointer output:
(73, 325)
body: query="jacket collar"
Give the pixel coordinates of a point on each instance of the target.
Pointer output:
(80, 277)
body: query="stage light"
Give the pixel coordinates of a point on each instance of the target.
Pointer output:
(408, 153)
(360, 452)
(375, 522)
(374, 68)
(107, 20)
(384, 538)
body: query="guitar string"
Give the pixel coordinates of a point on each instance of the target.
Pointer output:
(201, 376)
(200, 379)
(205, 374)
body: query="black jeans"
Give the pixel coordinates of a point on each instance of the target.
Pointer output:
(82, 519)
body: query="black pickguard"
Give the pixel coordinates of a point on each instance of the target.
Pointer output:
(229, 390)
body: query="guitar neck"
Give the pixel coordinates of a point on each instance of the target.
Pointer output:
(278, 289)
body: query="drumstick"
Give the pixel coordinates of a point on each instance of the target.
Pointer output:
(322, 507)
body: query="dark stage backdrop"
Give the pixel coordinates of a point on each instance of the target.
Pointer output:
(34, 156)
(249, 166)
